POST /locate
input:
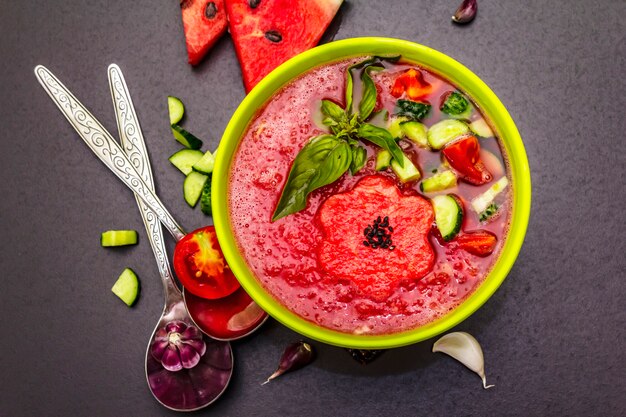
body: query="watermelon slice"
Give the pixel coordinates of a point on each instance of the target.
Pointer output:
(267, 33)
(204, 22)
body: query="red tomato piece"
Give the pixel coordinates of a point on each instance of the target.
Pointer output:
(480, 243)
(464, 156)
(200, 265)
(413, 83)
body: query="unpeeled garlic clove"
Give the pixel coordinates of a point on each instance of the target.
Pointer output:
(466, 12)
(464, 348)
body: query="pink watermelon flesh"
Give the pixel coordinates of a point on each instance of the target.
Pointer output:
(267, 33)
(204, 23)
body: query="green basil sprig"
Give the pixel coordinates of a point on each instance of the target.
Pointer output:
(325, 158)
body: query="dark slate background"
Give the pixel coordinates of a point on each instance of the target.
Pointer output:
(553, 334)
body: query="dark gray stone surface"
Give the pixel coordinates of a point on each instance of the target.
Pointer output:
(553, 334)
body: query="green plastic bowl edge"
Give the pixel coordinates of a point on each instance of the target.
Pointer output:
(442, 64)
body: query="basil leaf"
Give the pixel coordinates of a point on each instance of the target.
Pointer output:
(413, 109)
(381, 137)
(333, 111)
(454, 104)
(359, 158)
(369, 61)
(321, 161)
(368, 102)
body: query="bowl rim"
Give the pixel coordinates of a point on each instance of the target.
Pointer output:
(430, 59)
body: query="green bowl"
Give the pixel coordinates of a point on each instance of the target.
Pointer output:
(439, 63)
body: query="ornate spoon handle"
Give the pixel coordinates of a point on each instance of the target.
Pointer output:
(104, 146)
(134, 146)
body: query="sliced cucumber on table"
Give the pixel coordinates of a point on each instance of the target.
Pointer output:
(192, 187)
(205, 164)
(185, 138)
(176, 109)
(185, 159)
(448, 215)
(127, 287)
(112, 238)
(205, 198)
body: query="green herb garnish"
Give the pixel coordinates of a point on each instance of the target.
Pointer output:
(489, 212)
(454, 104)
(327, 157)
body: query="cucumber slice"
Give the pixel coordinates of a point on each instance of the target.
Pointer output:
(448, 216)
(205, 164)
(408, 173)
(383, 159)
(127, 287)
(438, 182)
(416, 131)
(192, 187)
(176, 109)
(184, 159)
(112, 238)
(482, 201)
(185, 138)
(481, 128)
(394, 126)
(205, 198)
(445, 131)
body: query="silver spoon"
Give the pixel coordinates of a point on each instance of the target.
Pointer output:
(100, 141)
(185, 389)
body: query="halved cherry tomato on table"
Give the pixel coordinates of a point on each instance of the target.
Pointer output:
(200, 265)
(479, 243)
(412, 81)
(463, 155)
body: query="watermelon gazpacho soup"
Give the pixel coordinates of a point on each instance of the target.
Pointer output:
(370, 196)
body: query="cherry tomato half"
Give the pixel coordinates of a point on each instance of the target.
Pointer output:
(200, 265)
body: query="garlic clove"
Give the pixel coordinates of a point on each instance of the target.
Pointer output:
(464, 348)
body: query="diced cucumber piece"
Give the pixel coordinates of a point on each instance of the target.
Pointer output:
(438, 182)
(416, 131)
(118, 238)
(383, 159)
(393, 126)
(205, 198)
(482, 201)
(408, 173)
(445, 131)
(192, 187)
(448, 216)
(185, 158)
(481, 128)
(176, 109)
(205, 164)
(127, 287)
(185, 138)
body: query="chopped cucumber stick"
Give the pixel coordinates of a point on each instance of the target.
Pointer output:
(176, 109)
(205, 198)
(438, 182)
(448, 216)
(394, 126)
(205, 164)
(445, 131)
(383, 159)
(127, 287)
(416, 131)
(481, 128)
(192, 187)
(408, 173)
(118, 238)
(185, 158)
(482, 201)
(185, 138)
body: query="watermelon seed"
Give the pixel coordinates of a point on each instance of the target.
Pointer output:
(211, 10)
(254, 3)
(274, 36)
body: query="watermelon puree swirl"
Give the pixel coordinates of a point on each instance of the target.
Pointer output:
(285, 255)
